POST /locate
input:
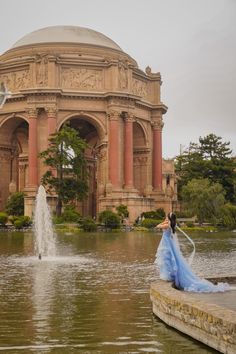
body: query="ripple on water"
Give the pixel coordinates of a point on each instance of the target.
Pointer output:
(92, 299)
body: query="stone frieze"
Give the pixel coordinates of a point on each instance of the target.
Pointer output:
(139, 88)
(16, 80)
(81, 79)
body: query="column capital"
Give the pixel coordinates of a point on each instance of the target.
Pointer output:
(51, 111)
(113, 115)
(32, 112)
(157, 123)
(129, 117)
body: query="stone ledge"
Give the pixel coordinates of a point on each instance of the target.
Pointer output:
(209, 323)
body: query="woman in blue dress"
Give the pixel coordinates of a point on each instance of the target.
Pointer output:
(173, 266)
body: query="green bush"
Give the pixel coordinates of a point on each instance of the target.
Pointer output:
(154, 214)
(15, 204)
(12, 218)
(3, 218)
(58, 220)
(150, 223)
(109, 219)
(21, 221)
(18, 223)
(88, 224)
(228, 216)
(122, 211)
(26, 220)
(71, 216)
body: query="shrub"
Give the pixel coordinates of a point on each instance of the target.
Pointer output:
(109, 219)
(189, 224)
(3, 218)
(57, 220)
(150, 223)
(228, 216)
(88, 224)
(122, 211)
(12, 218)
(18, 223)
(26, 220)
(22, 221)
(71, 216)
(154, 214)
(15, 204)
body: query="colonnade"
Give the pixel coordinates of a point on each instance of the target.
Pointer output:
(113, 149)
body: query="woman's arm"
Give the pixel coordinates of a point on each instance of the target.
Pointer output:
(163, 225)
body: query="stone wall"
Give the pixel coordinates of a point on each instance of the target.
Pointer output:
(211, 324)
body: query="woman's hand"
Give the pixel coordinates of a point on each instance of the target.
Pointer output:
(163, 225)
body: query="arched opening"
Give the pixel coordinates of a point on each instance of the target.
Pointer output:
(89, 133)
(140, 158)
(13, 157)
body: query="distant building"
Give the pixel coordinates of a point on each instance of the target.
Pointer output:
(77, 75)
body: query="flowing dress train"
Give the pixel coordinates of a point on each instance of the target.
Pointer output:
(173, 267)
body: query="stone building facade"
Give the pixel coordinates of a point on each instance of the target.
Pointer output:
(76, 75)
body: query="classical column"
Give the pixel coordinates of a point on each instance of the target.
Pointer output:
(52, 120)
(157, 154)
(33, 148)
(128, 151)
(114, 147)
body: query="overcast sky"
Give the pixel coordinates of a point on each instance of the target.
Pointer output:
(191, 42)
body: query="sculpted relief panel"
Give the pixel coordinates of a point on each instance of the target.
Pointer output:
(42, 70)
(123, 75)
(16, 80)
(81, 78)
(139, 88)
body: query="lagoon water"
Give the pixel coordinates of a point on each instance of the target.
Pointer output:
(93, 296)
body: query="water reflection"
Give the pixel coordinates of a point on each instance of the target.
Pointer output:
(94, 298)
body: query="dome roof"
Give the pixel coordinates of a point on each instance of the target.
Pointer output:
(67, 34)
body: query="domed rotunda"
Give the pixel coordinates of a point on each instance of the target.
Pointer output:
(78, 76)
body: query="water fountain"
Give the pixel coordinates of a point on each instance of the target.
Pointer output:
(43, 228)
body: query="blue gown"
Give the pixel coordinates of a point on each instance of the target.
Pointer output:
(173, 267)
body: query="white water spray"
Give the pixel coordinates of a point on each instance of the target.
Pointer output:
(43, 228)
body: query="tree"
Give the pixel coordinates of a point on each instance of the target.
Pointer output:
(67, 176)
(157, 214)
(15, 204)
(122, 211)
(211, 159)
(204, 199)
(109, 219)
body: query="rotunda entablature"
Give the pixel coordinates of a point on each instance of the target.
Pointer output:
(76, 61)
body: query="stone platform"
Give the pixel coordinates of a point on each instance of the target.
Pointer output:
(209, 318)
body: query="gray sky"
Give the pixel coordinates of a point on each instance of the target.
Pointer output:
(191, 42)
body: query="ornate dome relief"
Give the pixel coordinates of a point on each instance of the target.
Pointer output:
(67, 34)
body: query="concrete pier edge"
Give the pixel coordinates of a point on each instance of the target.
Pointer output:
(206, 322)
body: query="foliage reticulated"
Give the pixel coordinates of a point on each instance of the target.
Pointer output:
(154, 214)
(211, 158)
(109, 219)
(150, 223)
(228, 216)
(88, 224)
(122, 211)
(3, 219)
(204, 199)
(70, 214)
(67, 175)
(15, 204)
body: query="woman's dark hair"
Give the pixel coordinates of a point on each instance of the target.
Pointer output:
(172, 218)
